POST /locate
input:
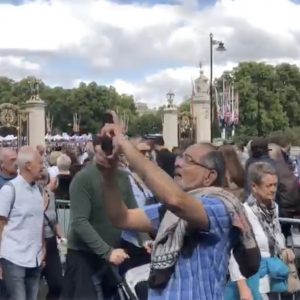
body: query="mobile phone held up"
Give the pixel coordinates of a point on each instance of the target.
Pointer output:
(106, 142)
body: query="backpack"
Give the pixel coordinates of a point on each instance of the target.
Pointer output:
(49, 223)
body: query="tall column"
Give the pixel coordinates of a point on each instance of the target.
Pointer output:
(202, 109)
(170, 127)
(35, 107)
(36, 119)
(202, 114)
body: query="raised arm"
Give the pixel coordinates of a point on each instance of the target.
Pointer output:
(162, 185)
(120, 215)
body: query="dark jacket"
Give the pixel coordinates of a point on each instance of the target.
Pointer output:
(288, 194)
(166, 161)
(64, 181)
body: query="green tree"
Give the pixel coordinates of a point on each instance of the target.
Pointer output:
(185, 106)
(149, 123)
(261, 106)
(89, 101)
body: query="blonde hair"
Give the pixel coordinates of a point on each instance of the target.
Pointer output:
(275, 152)
(53, 157)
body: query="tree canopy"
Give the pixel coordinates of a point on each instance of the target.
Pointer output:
(269, 97)
(269, 101)
(89, 101)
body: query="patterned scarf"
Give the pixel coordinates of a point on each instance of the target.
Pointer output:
(172, 234)
(268, 220)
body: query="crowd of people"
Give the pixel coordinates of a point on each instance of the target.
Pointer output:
(195, 223)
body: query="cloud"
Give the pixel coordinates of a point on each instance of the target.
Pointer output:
(154, 87)
(143, 49)
(178, 35)
(39, 26)
(17, 67)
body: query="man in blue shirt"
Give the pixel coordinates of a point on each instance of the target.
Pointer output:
(201, 261)
(21, 227)
(8, 165)
(8, 171)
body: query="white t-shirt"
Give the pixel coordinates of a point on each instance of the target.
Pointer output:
(53, 171)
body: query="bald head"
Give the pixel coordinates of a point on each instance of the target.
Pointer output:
(202, 148)
(8, 166)
(201, 165)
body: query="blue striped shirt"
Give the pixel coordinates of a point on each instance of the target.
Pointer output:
(203, 275)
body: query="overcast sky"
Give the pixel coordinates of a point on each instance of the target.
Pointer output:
(142, 47)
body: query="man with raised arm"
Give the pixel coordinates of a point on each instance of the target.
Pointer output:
(197, 223)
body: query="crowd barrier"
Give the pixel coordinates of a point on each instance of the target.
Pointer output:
(63, 214)
(292, 241)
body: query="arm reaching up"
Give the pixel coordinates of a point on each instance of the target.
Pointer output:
(162, 185)
(120, 215)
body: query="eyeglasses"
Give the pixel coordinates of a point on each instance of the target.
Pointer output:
(189, 160)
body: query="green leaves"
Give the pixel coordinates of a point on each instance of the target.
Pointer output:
(89, 101)
(269, 97)
(145, 124)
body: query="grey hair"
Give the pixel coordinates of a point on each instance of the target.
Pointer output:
(214, 160)
(26, 154)
(4, 152)
(258, 170)
(64, 162)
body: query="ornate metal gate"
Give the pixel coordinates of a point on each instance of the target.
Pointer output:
(186, 130)
(14, 120)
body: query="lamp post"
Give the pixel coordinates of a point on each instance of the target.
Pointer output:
(221, 48)
(170, 98)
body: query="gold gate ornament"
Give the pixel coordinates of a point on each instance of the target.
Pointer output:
(11, 116)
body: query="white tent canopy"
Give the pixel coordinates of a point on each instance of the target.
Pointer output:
(8, 138)
(66, 137)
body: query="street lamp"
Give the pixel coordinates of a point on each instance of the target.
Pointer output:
(220, 48)
(170, 98)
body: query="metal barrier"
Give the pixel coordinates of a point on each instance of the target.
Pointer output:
(63, 214)
(292, 241)
(289, 221)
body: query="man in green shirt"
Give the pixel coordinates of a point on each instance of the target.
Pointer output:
(93, 242)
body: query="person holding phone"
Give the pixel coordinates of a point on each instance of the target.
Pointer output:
(197, 222)
(93, 242)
